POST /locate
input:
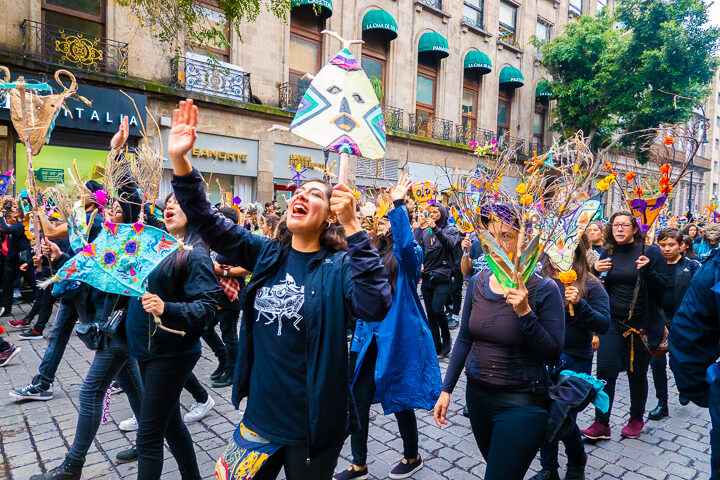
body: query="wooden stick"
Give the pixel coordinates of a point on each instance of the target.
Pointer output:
(343, 167)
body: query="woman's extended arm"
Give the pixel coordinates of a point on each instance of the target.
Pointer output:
(464, 340)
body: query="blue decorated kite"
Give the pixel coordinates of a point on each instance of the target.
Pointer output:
(120, 259)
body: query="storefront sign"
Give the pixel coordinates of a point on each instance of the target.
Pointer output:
(50, 175)
(286, 159)
(108, 107)
(218, 154)
(304, 161)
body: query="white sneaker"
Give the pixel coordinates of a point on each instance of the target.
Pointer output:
(129, 425)
(198, 411)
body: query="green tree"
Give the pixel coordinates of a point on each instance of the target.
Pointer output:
(613, 73)
(176, 23)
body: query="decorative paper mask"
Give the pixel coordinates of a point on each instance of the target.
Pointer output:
(461, 221)
(646, 210)
(340, 110)
(121, 258)
(561, 248)
(423, 193)
(5, 182)
(502, 266)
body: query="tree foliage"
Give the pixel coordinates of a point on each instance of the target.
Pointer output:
(177, 23)
(612, 73)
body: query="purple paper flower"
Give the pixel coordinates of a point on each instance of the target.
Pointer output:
(101, 197)
(237, 200)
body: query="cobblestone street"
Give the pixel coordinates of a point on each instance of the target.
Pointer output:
(36, 435)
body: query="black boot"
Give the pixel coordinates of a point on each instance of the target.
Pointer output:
(225, 380)
(64, 471)
(446, 346)
(220, 368)
(659, 412)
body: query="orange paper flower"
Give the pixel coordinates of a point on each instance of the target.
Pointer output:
(664, 180)
(608, 166)
(629, 176)
(665, 169)
(526, 199)
(666, 189)
(669, 141)
(638, 191)
(567, 277)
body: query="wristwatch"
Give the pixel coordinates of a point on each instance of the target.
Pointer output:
(225, 273)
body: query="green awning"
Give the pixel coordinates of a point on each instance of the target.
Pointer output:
(477, 60)
(380, 20)
(325, 6)
(543, 90)
(511, 77)
(434, 43)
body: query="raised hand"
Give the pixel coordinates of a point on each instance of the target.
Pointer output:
(518, 297)
(342, 204)
(121, 136)
(399, 191)
(182, 136)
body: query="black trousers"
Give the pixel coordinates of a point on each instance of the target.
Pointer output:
(10, 274)
(42, 307)
(294, 459)
(435, 290)
(615, 355)
(455, 295)
(163, 381)
(195, 388)
(363, 392)
(659, 373)
(508, 435)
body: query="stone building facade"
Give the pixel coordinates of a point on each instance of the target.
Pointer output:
(452, 72)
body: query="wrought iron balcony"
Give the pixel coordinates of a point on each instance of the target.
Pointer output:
(465, 134)
(537, 147)
(393, 117)
(69, 48)
(476, 21)
(290, 94)
(201, 74)
(508, 141)
(507, 36)
(431, 127)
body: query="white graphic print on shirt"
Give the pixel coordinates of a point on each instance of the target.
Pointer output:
(282, 300)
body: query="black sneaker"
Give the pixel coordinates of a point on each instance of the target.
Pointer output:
(575, 472)
(37, 390)
(215, 375)
(129, 455)
(351, 474)
(8, 354)
(406, 469)
(30, 334)
(224, 381)
(546, 475)
(64, 471)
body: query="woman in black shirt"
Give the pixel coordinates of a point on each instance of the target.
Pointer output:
(628, 267)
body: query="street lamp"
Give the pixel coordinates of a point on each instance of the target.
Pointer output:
(692, 165)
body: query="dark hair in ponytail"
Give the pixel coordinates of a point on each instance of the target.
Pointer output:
(384, 244)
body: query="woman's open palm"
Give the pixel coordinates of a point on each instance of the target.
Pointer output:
(182, 133)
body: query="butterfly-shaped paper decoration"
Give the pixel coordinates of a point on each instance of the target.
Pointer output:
(502, 266)
(5, 182)
(424, 193)
(646, 210)
(340, 110)
(120, 259)
(566, 236)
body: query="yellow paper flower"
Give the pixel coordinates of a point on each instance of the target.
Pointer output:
(496, 186)
(521, 188)
(576, 167)
(602, 185)
(526, 199)
(567, 277)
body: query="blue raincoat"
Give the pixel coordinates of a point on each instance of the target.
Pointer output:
(407, 373)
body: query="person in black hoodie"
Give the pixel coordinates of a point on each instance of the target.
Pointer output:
(591, 314)
(631, 269)
(438, 242)
(677, 272)
(292, 348)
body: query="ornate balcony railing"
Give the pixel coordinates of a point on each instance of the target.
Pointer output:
(431, 127)
(466, 134)
(77, 50)
(508, 141)
(507, 36)
(537, 147)
(201, 74)
(290, 94)
(437, 4)
(393, 117)
(476, 22)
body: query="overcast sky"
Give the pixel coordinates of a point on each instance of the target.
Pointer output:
(714, 12)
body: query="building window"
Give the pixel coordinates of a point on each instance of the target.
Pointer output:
(717, 144)
(504, 111)
(305, 42)
(215, 16)
(539, 126)
(471, 93)
(717, 122)
(542, 30)
(576, 6)
(374, 55)
(508, 23)
(473, 12)
(87, 16)
(426, 88)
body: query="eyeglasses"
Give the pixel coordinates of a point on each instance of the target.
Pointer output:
(622, 225)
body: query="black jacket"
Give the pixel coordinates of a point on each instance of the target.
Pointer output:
(438, 244)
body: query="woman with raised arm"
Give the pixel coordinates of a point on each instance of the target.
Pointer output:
(292, 349)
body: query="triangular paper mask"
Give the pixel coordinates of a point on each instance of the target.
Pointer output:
(502, 266)
(646, 210)
(121, 258)
(340, 110)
